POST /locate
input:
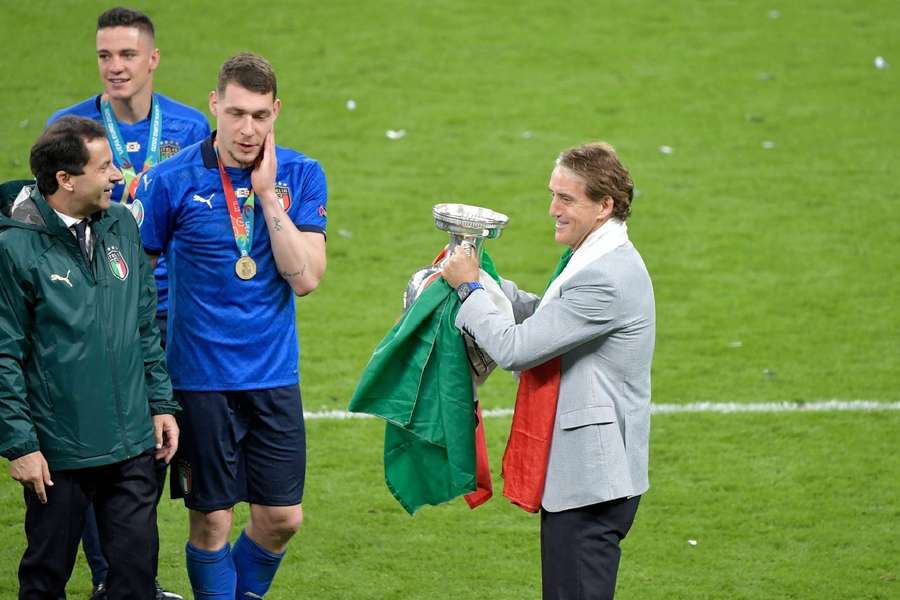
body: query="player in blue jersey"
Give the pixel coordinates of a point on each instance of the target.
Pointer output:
(143, 129)
(243, 222)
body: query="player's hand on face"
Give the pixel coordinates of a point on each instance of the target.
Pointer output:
(33, 472)
(461, 266)
(263, 176)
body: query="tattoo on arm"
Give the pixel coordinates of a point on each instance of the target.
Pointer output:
(299, 273)
(276, 223)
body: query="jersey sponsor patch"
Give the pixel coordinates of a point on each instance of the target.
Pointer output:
(284, 194)
(168, 149)
(322, 212)
(117, 264)
(132, 146)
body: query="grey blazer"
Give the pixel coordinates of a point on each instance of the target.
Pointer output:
(603, 325)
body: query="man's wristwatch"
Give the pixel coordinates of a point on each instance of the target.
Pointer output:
(466, 288)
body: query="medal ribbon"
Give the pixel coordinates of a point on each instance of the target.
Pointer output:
(241, 221)
(121, 151)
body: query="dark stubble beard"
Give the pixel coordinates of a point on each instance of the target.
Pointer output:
(242, 164)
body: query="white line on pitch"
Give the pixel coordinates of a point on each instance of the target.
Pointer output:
(693, 407)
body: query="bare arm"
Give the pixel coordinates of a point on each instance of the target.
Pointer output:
(299, 255)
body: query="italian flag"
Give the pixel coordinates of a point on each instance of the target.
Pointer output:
(418, 381)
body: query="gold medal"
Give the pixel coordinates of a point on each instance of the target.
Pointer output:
(245, 268)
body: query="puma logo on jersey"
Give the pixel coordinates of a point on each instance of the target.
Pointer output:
(206, 201)
(55, 277)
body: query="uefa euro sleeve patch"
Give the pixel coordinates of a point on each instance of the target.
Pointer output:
(137, 211)
(117, 263)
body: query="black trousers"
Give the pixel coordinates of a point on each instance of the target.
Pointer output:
(580, 549)
(124, 496)
(90, 539)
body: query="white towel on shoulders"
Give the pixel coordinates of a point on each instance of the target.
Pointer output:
(608, 237)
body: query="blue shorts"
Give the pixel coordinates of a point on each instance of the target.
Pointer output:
(244, 446)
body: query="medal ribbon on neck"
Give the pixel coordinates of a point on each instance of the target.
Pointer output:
(120, 150)
(241, 221)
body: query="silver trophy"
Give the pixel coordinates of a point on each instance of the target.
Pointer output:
(468, 226)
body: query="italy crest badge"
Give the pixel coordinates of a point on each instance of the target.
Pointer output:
(117, 264)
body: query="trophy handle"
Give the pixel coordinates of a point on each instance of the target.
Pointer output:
(476, 242)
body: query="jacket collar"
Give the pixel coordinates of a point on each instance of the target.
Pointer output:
(100, 221)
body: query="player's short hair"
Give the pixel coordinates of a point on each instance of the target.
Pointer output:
(598, 165)
(63, 147)
(251, 72)
(126, 17)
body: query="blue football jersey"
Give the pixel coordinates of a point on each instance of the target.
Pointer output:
(226, 333)
(182, 126)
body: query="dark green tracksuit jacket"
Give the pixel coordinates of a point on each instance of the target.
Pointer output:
(81, 366)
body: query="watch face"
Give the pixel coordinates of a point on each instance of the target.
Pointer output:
(467, 288)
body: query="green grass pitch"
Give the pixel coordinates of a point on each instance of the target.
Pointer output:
(770, 230)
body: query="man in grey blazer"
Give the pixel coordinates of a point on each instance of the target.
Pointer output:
(597, 315)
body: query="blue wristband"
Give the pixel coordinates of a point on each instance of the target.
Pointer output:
(465, 289)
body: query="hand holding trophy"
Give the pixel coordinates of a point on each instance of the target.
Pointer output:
(468, 227)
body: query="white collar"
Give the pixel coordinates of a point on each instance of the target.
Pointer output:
(69, 221)
(603, 240)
